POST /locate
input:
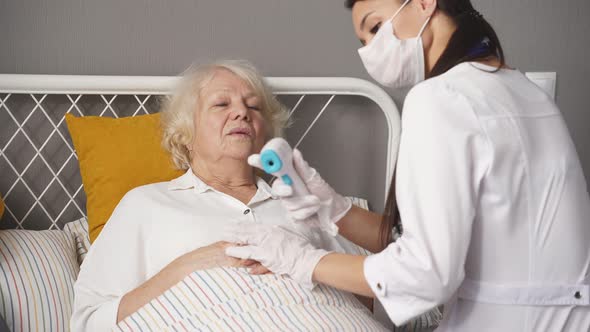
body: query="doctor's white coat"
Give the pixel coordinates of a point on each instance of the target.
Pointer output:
(494, 206)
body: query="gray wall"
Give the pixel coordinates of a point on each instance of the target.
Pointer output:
(282, 37)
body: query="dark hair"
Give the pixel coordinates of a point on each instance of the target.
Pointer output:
(474, 39)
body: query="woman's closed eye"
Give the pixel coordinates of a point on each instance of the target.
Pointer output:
(255, 107)
(375, 28)
(221, 103)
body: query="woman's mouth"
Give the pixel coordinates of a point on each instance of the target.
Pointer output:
(240, 132)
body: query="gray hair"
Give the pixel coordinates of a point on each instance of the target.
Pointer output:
(178, 111)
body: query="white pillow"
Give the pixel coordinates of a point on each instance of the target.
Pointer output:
(37, 274)
(79, 231)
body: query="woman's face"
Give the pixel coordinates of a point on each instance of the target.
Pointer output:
(228, 120)
(369, 15)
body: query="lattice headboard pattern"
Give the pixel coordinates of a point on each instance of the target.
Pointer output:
(39, 175)
(41, 182)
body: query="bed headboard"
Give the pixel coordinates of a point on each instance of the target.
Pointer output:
(347, 128)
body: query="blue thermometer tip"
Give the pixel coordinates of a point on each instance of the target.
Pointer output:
(270, 161)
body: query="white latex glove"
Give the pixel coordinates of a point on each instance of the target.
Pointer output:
(323, 208)
(277, 248)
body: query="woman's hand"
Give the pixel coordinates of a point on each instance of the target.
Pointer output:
(280, 249)
(203, 258)
(213, 256)
(323, 208)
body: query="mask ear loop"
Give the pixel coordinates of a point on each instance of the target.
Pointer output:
(424, 26)
(399, 10)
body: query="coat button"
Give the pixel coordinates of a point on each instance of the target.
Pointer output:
(246, 211)
(578, 295)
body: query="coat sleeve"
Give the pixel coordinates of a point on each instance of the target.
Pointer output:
(441, 161)
(114, 265)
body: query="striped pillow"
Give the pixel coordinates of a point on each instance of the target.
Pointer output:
(79, 231)
(37, 274)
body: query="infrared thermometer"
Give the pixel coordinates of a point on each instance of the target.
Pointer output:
(276, 158)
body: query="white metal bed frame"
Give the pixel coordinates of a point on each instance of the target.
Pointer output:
(38, 87)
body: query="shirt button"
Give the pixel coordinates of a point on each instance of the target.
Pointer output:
(379, 287)
(578, 295)
(246, 211)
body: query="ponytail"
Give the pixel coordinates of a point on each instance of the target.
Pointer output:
(474, 39)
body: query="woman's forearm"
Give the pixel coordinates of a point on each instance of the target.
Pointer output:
(343, 272)
(172, 274)
(199, 259)
(362, 228)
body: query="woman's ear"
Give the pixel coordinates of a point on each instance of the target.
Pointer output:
(428, 7)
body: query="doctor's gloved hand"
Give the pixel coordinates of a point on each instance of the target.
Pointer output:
(322, 209)
(277, 248)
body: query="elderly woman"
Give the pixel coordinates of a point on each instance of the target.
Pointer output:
(160, 233)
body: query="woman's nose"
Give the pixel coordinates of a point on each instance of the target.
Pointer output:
(241, 112)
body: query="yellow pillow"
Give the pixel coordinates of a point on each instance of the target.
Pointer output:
(1, 206)
(117, 155)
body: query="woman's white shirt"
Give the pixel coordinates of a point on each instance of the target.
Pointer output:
(491, 194)
(153, 225)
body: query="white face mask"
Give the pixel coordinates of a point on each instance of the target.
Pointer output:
(392, 62)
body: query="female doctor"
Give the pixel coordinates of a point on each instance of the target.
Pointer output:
(488, 185)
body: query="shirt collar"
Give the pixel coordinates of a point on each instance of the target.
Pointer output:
(190, 181)
(263, 193)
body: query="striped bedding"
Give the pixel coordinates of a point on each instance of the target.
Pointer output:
(230, 299)
(37, 273)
